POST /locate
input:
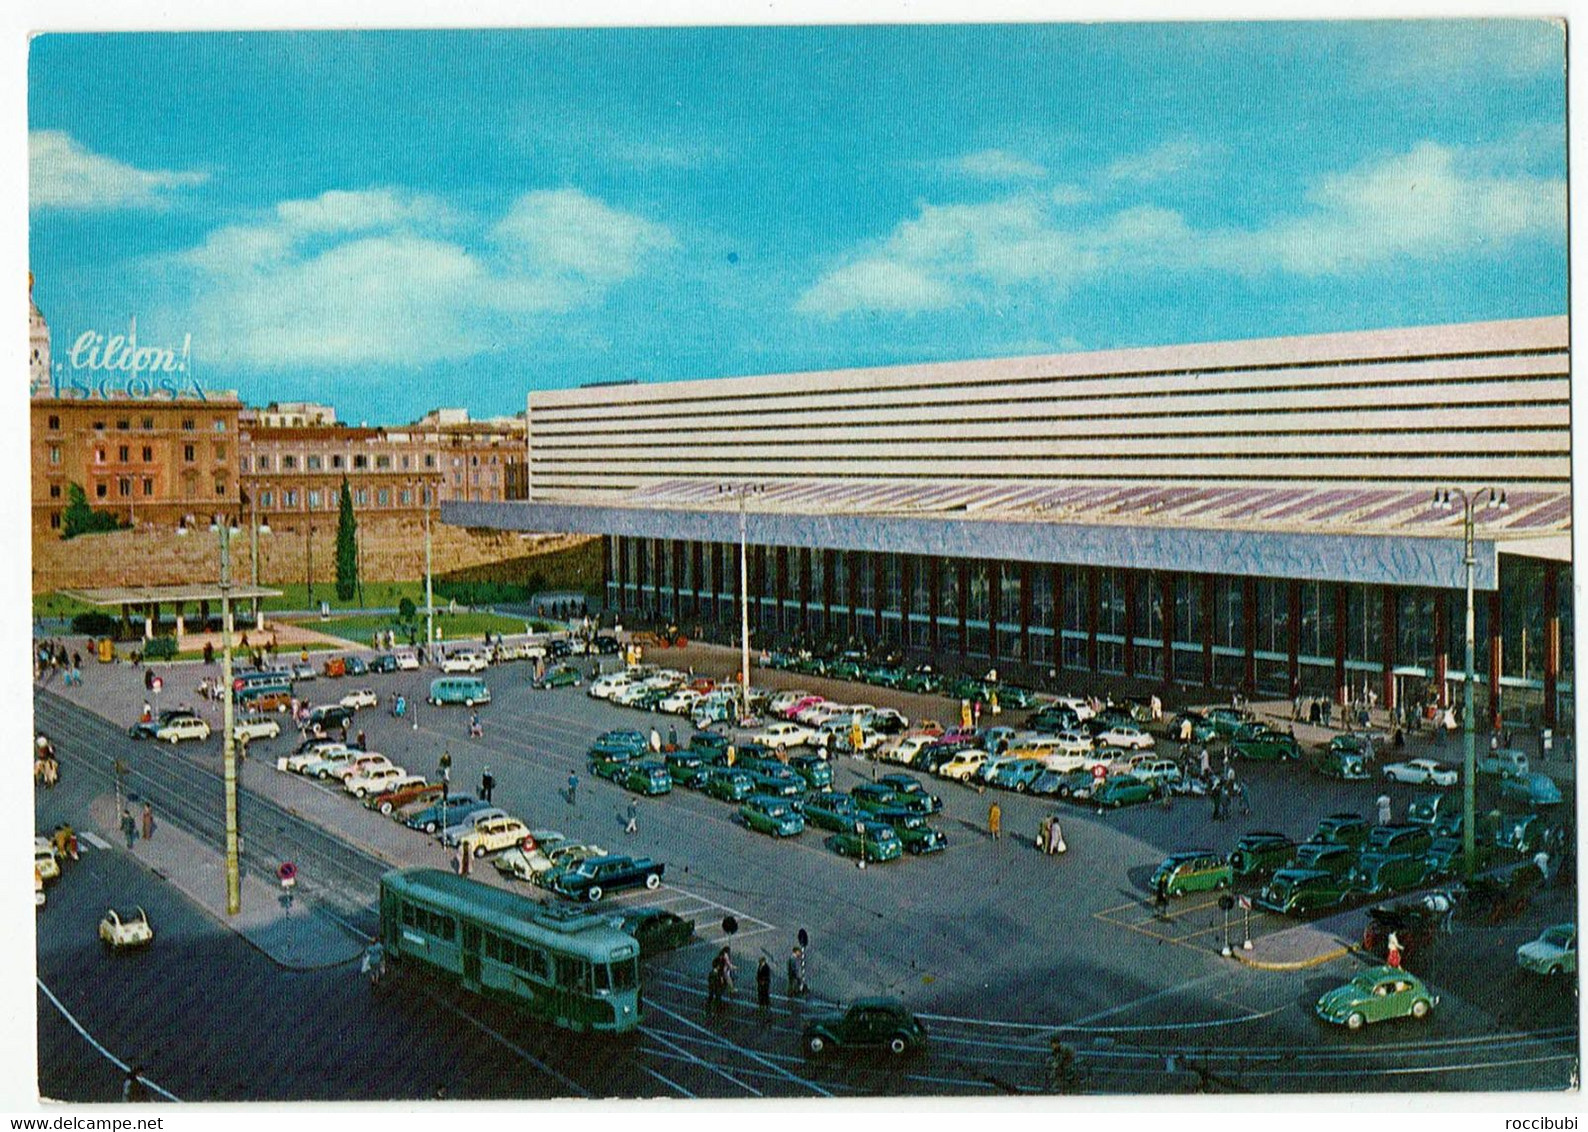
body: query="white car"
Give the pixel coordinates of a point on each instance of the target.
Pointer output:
(255, 727)
(818, 714)
(681, 702)
(464, 662)
(1553, 953)
(116, 931)
(360, 763)
(303, 762)
(605, 687)
(1073, 742)
(361, 698)
(179, 729)
(466, 824)
(1083, 710)
(905, 749)
(1422, 772)
(380, 780)
(781, 702)
(45, 863)
(406, 660)
(494, 835)
(1131, 738)
(963, 765)
(780, 736)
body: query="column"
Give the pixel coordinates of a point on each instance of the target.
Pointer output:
(1391, 605)
(1093, 578)
(854, 562)
(1130, 622)
(829, 557)
(1249, 633)
(678, 579)
(758, 587)
(181, 625)
(994, 598)
(878, 597)
(1208, 606)
(623, 573)
(697, 553)
(1026, 570)
(1169, 584)
(1442, 646)
(1294, 597)
(934, 601)
(963, 566)
(1496, 654)
(658, 548)
(1056, 583)
(1551, 641)
(906, 597)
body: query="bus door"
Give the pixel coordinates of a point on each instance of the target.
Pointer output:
(471, 955)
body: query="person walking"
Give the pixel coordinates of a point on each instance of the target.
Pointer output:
(1218, 799)
(1393, 958)
(148, 821)
(1160, 899)
(1055, 837)
(1042, 833)
(1246, 799)
(573, 789)
(714, 988)
(656, 741)
(672, 738)
(1384, 812)
(444, 767)
(129, 827)
(763, 984)
(487, 784)
(797, 987)
(633, 825)
(995, 821)
(725, 962)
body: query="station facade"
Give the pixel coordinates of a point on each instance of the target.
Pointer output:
(1253, 516)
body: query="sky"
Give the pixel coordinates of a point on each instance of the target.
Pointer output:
(397, 221)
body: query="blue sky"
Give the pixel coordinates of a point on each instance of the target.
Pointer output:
(396, 221)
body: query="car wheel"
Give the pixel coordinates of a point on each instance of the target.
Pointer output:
(1064, 792)
(359, 793)
(1420, 1008)
(1554, 971)
(653, 881)
(1020, 788)
(468, 703)
(430, 828)
(815, 1045)
(479, 850)
(1177, 892)
(897, 1045)
(1221, 884)
(593, 893)
(1354, 1022)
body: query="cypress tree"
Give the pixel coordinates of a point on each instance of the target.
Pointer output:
(346, 547)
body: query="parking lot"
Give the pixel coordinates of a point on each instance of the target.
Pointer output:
(987, 934)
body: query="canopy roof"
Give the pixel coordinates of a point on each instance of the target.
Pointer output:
(152, 595)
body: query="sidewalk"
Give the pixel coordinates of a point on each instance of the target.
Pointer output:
(292, 933)
(1305, 945)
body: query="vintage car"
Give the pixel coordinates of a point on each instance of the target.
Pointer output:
(1341, 829)
(360, 698)
(874, 796)
(1552, 953)
(464, 824)
(362, 762)
(1226, 721)
(1528, 789)
(688, 767)
(868, 840)
(117, 931)
(649, 777)
(1261, 851)
(619, 745)
(255, 727)
(1432, 809)
(871, 1023)
(1122, 790)
(149, 728)
(1414, 925)
(1422, 772)
(1296, 892)
(1126, 735)
(781, 736)
(831, 811)
(493, 835)
(464, 662)
(1336, 859)
(1013, 774)
(1191, 870)
(1348, 766)
(434, 818)
(918, 837)
(46, 865)
(963, 765)
(1444, 856)
(594, 877)
(1266, 744)
(390, 801)
(1380, 873)
(815, 770)
(558, 676)
(911, 794)
(728, 785)
(384, 662)
(1375, 995)
(183, 728)
(1406, 840)
(766, 813)
(657, 930)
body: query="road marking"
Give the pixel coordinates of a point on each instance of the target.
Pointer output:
(90, 1039)
(523, 1053)
(696, 1059)
(94, 839)
(749, 1053)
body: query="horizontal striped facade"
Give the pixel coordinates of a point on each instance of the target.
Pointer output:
(1475, 403)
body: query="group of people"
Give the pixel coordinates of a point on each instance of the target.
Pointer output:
(719, 980)
(130, 826)
(46, 765)
(51, 656)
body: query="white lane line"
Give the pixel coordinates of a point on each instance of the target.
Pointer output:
(94, 839)
(525, 1054)
(749, 1053)
(671, 1084)
(91, 1040)
(696, 1059)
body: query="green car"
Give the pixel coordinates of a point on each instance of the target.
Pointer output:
(779, 781)
(688, 768)
(882, 675)
(815, 770)
(649, 778)
(619, 744)
(1551, 954)
(1444, 856)
(1226, 722)
(877, 1023)
(658, 930)
(836, 812)
(1261, 851)
(1336, 860)
(1268, 745)
(869, 840)
(1295, 892)
(768, 814)
(922, 680)
(1341, 829)
(1122, 790)
(1192, 870)
(1374, 995)
(613, 768)
(874, 796)
(1347, 766)
(912, 795)
(558, 676)
(709, 745)
(1379, 874)
(918, 837)
(728, 785)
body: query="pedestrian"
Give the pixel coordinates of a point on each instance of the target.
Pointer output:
(1385, 814)
(1246, 800)
(444, 767)
(1541, 863)
(797, 987)
(672, 738)
(487, 784)
(1185, 730)
(714, 988)
(975, 714)
(129, 828)
(763, 984)
(1042, 833)
(1160, 899)
(1394, 947)
(1204, 761)
(148, 821)
(463, 859)
(363, 744)
(573, 789)
(148, 680)
(1055, 837)
(656, 741)
(633, 825)
(724, 963)
(995, 821)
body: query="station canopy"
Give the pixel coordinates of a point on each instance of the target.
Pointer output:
(166, 595)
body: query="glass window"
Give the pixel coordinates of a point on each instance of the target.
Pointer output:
(54, 424)
(383, 498)
(1111, 603)
(188, 424)
(148, 422)
(100, 490)
(289, 463)
(55, 453)
(189, 452)
(626, 974)
(976, 599)
(383, 462)
(1364, 624)
(264, 499)
(314, 497)
(314, 463)
(220, 451)
(1149, 605)
(55, 520)
(336, 460)
(124, 487)
(55, 491)
(262, 463)
(1229, 621)
(123, 424)
(220, 424)
(1188, 608)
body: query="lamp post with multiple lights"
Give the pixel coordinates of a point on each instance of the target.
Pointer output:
(234, 898)
(743, 491)
(1493, 499)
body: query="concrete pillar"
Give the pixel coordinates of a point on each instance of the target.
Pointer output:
(1293, 597)
(1551, 642)
(1391, 610)
(1442, 646)
(1496, 655)
(995, 584)
(964, 599)
(1209, 605)
(1342, 626)
(1093, 586)
(1026, 571)
(934, 602)
(1168, 581)
(907, 568)
(1130, 622)
(1249, 634)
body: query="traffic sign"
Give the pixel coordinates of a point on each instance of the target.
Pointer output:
(288, 872)
(1099, 771)
(1245, 902)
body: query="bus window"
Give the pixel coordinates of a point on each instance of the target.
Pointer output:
(443, 927)
(602, 978)
(492, 946)
(408, 915)
(625, 974)
(539, 965)
(573, 974)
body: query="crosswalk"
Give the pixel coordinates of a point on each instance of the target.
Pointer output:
(709, 915)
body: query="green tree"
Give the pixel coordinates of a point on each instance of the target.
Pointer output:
(406, 609)
(81, 519)
(346, 547)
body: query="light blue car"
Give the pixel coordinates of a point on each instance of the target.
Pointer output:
(1018, 775)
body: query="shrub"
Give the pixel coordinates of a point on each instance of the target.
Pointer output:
(406, 611)
(160, 648)
(94, 623)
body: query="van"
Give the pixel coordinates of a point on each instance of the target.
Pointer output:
(1195, 870)
(1505, 762)
(466, 690)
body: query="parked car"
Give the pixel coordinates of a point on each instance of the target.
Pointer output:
(911, 826)
(1226, 721)
(1530, 789)
(911, 794)
(255, 727)
(1266, 744)
(619, 745)
(832, 811)
(648, 777)
(1379, 873)
(493, 835)
(1122, 790)
(1261, 851)
(1335, 858)
(384, 662)
(963, 765)
(465, 662)
(558, 676)
(657, 930)
(117, 931)
(1375, 995)
(1341, 829)
(728, 785)
(1192, 870)
(688, 767)
(379, 780)
(1431, 809)
(871, 1023)
(393, 800)
(1013, 774)
(182, 728)
(765, 813)
(1552, 953)
(1422, 772)
(1444, 856)
(320, 761)
(815, 770)
(1408, 840)
(359, 763)
(1297, 892)
(360, 698)
(1504, 761)
(330, 717)
(594, 877)
(407, 660)
(466, 819)
(148, 729)
(1348, 766)
(867, 840)
(1128, 736)
(680, 701)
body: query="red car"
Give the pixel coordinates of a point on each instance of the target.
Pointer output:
(800, 705)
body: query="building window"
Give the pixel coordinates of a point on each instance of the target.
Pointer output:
(383, 461)
(405, 463)
(220, 487)
(123, 424)
(148, 485)
(289, 498)
(55, 424)
(336, 461)
(313, 463)
(55, 520)
(242, 463)
(360, 462)
(124, 487)
(407, 497)
(55, 491)
(220, 424)
(289, 463)
(361, 497)
(457, 461)
(55, 453)
(99, 426)
(189, 453)
(100, 490)
(430, 460)
(383, 497)
(188, 424)
(148, 454)
(264, 499)
(99, 455)
(314, 499)
(123, 454)
(220, 452)
(148, 423)
(262, 463)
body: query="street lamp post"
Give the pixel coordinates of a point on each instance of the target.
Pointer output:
(430, 595)
(1494, 500)
(234, 898)
(255, 529)
(742, 491)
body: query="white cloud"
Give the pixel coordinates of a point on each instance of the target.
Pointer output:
(1429, 204)
(995, 165)
(381, 276)
(63, 173)
(1169, 159)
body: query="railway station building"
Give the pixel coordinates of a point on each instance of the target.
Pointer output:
(1252, 516)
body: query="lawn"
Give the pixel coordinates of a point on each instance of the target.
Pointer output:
(450, 626)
